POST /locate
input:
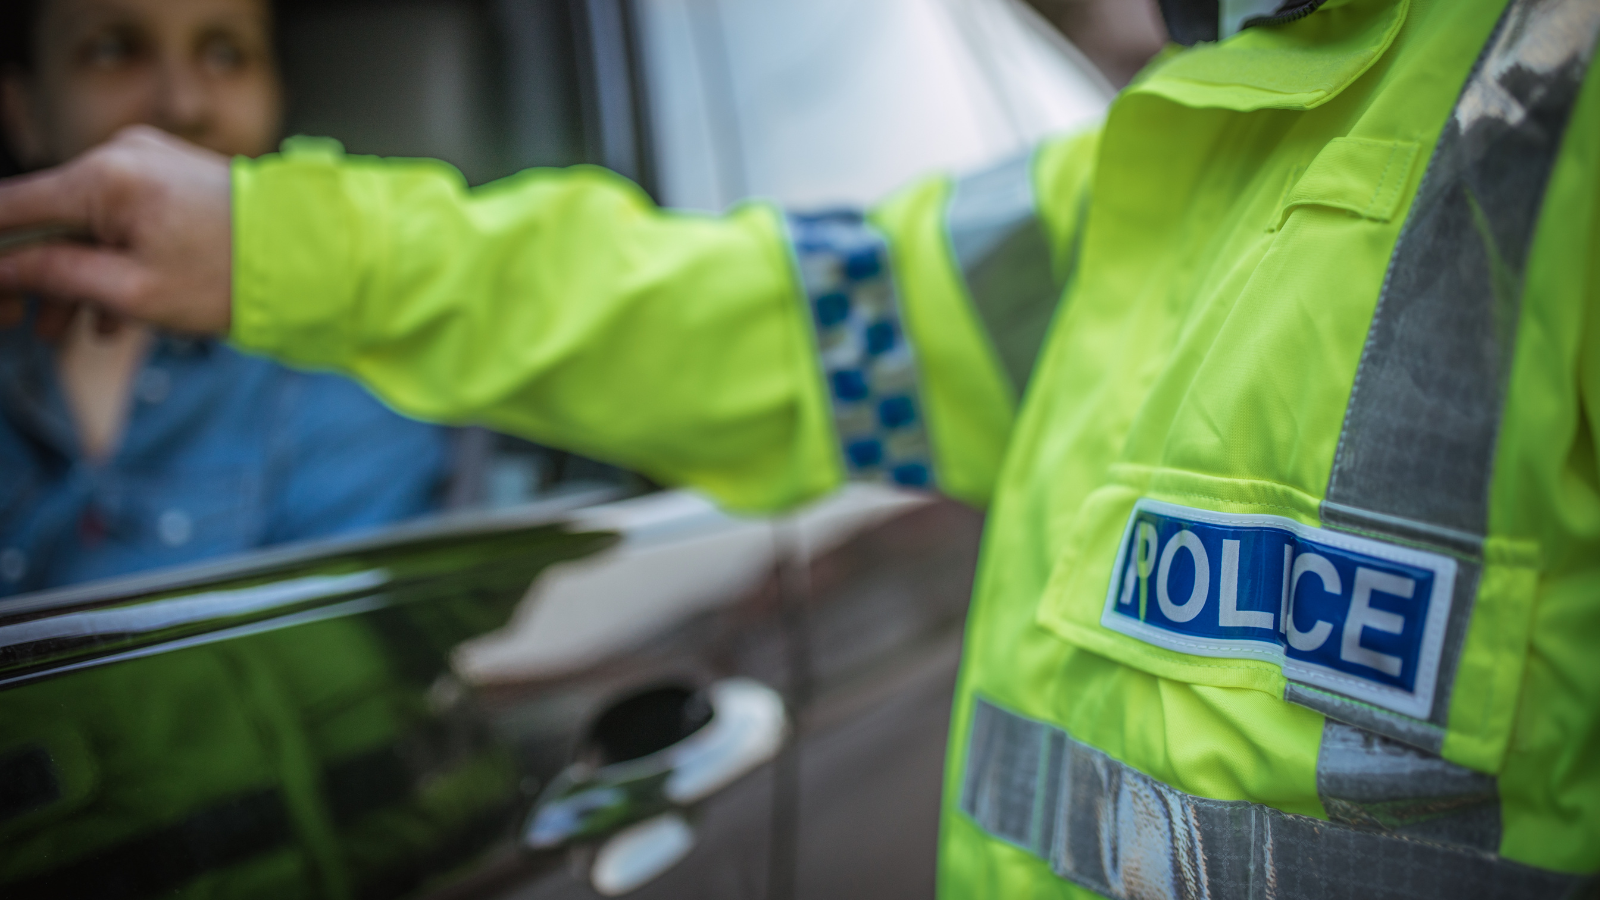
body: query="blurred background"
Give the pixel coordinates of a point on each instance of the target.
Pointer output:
(710, 101)
(227, 669)
(497, 85)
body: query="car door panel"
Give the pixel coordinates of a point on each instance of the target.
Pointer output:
(300, 727)
(885, 613)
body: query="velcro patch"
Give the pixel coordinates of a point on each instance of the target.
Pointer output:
(1348, 614)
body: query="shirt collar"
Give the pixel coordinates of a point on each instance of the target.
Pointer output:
(30, 392)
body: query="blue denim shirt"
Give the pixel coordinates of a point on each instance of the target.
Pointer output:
(221, 453)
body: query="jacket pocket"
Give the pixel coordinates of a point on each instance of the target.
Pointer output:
(1364, 177)
(1233, 583)
(1081, 588)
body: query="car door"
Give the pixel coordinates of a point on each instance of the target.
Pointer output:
(286, 723)
(408, 713)
(429, 710)
(581, 684)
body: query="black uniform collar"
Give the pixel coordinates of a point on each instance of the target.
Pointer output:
(1192, 21)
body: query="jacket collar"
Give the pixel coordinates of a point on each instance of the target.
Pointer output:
(1300, 62)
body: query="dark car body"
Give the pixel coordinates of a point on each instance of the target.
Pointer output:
(573, 683)
(403, 715)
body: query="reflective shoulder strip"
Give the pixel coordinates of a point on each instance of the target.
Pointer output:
(866, 357)
(1002, 248)
(1114, 830)
(1416, 453)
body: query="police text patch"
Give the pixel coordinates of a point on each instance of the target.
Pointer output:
(1348, 614)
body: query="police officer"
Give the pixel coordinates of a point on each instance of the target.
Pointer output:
(1282, 386)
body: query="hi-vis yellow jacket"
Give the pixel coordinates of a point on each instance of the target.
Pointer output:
(1283, 387)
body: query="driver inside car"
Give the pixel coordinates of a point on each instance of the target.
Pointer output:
(127, 448)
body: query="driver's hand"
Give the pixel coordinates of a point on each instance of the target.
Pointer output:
(160, 213)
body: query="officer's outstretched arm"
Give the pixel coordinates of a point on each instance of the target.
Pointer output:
(560, 305)
(759, 357)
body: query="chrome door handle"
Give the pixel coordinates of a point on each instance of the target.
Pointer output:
(747, 728)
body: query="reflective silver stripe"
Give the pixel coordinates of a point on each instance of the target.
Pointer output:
(1003, 251)
(1416, 454)
(1416, 732)
(1377, 784)
(1115, 830)
(866, 356)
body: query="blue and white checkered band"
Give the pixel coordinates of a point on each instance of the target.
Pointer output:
(866, 357)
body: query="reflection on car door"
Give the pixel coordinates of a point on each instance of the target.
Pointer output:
(301, 724)
(489, 707)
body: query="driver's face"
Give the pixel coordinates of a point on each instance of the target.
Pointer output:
(200, 69)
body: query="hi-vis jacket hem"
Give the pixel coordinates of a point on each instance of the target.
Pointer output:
(1116, 831)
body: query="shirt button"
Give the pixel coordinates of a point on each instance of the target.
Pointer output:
(153, 385)
(13, 565)
(175, 528)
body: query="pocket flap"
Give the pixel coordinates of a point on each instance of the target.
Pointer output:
(1364, 177)
(1238, 584)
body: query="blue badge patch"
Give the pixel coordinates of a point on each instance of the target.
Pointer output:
(1345, 613)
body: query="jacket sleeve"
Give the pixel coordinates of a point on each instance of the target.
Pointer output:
(561, 305)
(983, 263)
